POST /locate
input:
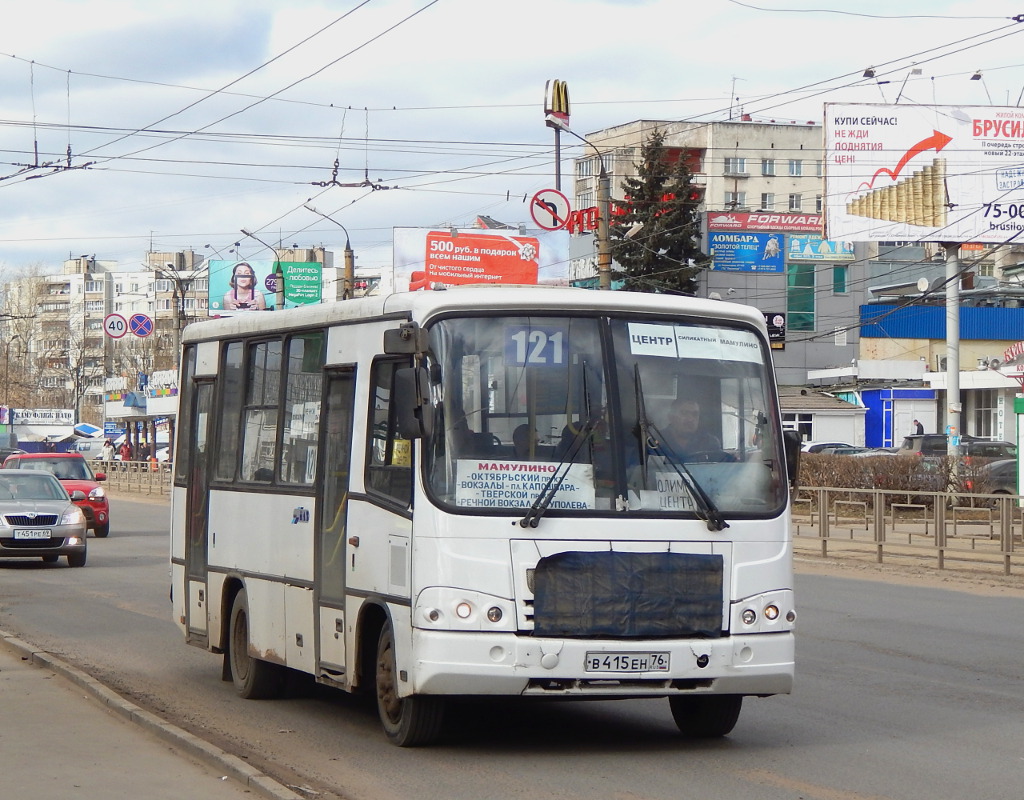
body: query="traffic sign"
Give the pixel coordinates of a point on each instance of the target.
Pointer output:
(550, 209)
(114, 326)
(140, 324)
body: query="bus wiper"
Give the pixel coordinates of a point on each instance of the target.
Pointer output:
(651, 441)
(551, 486)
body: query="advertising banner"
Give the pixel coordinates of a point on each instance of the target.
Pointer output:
(928, 173)
(428, 258)
(811, 247)
(764, 221)
(237, 286)
(746, 252)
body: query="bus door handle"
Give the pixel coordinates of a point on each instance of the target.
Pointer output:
(354, 541)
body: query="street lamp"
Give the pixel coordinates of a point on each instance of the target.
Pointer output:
(278, 273)
(7, 370)
(604, 204)
(350, 258)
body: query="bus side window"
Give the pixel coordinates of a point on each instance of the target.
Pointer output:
(389, 458)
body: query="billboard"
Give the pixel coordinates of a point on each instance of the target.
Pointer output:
(926, 173)
(238, 286)
(427, 258)
(746, 252)
(812, 247)
(764, 221)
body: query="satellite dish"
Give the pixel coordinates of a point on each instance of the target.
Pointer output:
(922, 285)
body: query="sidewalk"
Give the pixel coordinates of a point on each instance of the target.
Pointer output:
(64, 735)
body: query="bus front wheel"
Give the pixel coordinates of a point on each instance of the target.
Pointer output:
(254, 678)
(407, 721)
(706, 716)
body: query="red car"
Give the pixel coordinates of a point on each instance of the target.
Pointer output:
(72, 470)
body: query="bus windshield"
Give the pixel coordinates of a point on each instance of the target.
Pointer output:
(604, 414)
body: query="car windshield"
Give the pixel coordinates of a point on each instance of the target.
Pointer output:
(30, 487)
(65, 469)
(583, 414)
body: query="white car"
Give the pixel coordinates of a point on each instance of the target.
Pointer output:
(817, 447)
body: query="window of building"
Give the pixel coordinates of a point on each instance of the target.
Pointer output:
(164, 305)
(817, 203)
(986, 412)
(735, 166)
(839, 279)
(794, 202)
(796, 167)
(767, 201)
(767, 166)
(800, 297)
(163, 285)
(803, 423)
(201, 285)
(93, 287)
(94, 305)
(819, 168)
(735, 200)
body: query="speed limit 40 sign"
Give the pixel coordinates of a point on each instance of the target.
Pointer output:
(115, 326)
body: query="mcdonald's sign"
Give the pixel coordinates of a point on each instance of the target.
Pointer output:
(556, 104)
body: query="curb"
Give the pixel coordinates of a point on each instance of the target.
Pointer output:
(200, 749)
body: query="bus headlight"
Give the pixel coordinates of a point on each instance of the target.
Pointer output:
(440, 608)
(771, 612)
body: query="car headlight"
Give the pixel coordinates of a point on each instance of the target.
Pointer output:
(97, 494)
(73, 516)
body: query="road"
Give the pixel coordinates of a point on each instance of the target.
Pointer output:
(903, 692)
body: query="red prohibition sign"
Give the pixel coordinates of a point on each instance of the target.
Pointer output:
(550, 209)
(140, 324)
(115, 326)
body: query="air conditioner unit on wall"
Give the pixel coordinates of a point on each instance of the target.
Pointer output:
(940, 363)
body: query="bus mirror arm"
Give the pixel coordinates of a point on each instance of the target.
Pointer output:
(412, 396)
(407, 339)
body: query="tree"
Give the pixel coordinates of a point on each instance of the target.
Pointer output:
(663, 255)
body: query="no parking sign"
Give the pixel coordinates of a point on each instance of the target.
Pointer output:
(140, 324)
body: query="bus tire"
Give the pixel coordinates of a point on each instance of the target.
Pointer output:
(707, 716)
(254, 678)
(407, 721)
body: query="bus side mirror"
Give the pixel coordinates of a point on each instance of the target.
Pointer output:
(415, 415)
(791, 444)
(407, 339)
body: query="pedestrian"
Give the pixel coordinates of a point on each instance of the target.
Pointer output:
(107, 451)
(918, 427)
(125, 451)
(144, 451)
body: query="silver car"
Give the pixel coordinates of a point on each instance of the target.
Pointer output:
(38, 518)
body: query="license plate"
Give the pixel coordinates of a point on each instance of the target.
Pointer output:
(31, 533)
(627, 662)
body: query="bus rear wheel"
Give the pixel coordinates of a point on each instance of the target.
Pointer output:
(254, 678)
(706, 716)
(407, 721)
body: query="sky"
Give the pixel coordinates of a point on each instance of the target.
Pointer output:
(187, 122)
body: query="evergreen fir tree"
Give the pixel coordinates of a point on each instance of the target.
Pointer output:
(663, 255)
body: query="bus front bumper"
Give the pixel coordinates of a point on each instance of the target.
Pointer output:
(459, 663)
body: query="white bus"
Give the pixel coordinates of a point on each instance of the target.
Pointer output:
(478, 492)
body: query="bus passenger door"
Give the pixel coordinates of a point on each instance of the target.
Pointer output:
(331, 528)
(197, 509)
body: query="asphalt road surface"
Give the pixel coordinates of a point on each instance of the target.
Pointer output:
(907, 692)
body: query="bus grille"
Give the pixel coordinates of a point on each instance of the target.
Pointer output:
(628, 595)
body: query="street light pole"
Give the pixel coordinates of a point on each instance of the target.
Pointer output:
(278, 273)
(350, 258)
(604, 205)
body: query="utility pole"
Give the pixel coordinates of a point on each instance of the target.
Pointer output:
(953, 407)
(350, 257)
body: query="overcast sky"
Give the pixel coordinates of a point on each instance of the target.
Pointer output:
(188, 121)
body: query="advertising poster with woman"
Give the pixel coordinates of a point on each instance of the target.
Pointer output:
(240, 286)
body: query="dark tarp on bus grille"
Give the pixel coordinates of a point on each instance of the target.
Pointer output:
(628, 595)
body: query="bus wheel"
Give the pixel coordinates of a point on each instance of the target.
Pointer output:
(254, 678)
(706, 716)
(407, 721)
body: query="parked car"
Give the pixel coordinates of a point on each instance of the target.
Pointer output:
(996, 477)
(817, 447)
(936, 445)
(39, 519)
(72, 470)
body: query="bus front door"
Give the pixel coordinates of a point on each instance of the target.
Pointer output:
(197, 511)
(336, 451)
